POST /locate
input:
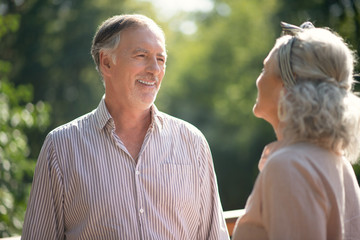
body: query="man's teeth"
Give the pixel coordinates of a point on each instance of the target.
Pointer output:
(147, 83)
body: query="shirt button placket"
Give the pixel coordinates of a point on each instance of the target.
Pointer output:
(138, 189)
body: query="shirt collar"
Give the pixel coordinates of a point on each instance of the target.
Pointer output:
(157, 118)
(103, 116)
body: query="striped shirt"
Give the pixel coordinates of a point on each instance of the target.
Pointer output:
(87, 186)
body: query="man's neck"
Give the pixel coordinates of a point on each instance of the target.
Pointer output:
(127, 123)
(131, 126)
(128, 117)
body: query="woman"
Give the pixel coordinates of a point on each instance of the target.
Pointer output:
(307, 188)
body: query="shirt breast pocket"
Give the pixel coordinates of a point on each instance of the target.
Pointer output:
(178, 184)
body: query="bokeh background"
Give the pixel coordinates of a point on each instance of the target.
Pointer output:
(215, 48)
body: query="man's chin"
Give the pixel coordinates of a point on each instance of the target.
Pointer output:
(147, 104)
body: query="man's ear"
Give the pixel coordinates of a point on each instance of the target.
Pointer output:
(105, 63)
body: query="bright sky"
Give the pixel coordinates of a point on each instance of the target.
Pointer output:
(167, 8)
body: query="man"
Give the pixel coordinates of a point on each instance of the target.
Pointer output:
(126, 170)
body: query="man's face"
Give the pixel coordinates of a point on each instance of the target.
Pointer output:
(135, 78)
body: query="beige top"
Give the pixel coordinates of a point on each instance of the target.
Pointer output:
(303, 192)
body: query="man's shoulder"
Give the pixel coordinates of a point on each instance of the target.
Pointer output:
(179, 124)
(76, 125)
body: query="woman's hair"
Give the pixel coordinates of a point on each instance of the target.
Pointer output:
(107, 36)
(320, 106)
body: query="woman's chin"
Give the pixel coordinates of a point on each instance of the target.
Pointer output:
(256, 111)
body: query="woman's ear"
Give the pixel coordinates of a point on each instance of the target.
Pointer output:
(105, 63)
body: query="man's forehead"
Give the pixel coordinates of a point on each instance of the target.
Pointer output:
(153, 29)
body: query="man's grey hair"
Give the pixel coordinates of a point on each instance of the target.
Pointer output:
(107, 36)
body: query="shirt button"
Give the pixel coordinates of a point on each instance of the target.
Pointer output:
(137, 172)
(141, 210)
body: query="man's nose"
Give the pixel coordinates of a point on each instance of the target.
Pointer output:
(154, 66)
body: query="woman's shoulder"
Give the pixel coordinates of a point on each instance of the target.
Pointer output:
(302, 159)
(301, 153)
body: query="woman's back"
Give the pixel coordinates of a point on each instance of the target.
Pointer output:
(304, 192)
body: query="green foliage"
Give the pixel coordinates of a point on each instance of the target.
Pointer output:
(9, 23)
(18, 116)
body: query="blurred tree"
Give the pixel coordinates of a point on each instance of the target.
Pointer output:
(210, 82)
(52, 51)
(18, 118)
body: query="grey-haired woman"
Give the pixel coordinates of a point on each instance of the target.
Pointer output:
(307, 188)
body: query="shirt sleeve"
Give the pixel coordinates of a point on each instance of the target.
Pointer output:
(44, 214)
(213, 224)
(293, 200)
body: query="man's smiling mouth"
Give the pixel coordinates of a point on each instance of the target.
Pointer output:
(147, 83)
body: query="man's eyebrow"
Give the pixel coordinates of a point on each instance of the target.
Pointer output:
(137, 50)
(142, 50)
(163, 54)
